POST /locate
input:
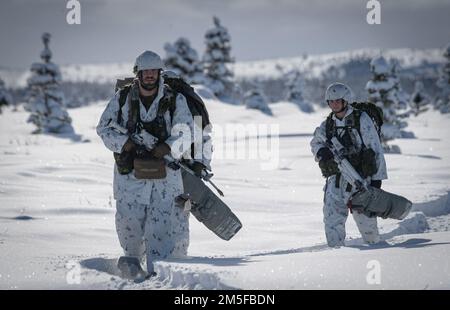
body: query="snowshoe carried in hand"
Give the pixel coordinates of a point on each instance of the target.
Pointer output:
(210, 209)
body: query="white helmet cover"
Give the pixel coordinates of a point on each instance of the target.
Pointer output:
(338, 91)
(146, 61)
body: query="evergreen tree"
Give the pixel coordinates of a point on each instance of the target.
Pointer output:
(255, 99)
(382, 91)
(402, 96)
(295, 92)
(184, 61)
(216, 58)
(46, 100)
(419, 99)
(443, 99)
(5, 96)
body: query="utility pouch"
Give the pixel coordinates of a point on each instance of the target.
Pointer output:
(149, 168)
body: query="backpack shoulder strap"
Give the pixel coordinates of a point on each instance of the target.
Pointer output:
(134, 117)
(122, 100)
(329, 127)
(357, 121)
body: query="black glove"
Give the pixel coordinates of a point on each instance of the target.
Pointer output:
(160, 150)
(198, 167)
(324, 154)
(124, 162)
(375, 183)
(124, 159)
(328, 167)
(129, 146)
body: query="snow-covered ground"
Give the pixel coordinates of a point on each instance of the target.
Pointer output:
(57, 213)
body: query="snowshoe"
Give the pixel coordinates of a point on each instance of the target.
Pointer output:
(209, 209)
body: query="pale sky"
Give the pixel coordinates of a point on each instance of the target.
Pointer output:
(118, 30)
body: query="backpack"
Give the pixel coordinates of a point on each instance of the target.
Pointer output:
(173, 85)
(374, 112)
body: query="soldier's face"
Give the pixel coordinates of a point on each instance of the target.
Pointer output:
(150, 76)
(148, 79)
(336, 105)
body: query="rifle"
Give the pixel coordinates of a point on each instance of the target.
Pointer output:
(348, 172)
(206, 176)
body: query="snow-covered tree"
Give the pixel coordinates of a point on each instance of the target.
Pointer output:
(182, 59)
(215, 60)
(402, 96)
(256, 99)
(420, 100)
(46, 100)
(443, 99)
(383, 92)
(295, 92)
(5, 96)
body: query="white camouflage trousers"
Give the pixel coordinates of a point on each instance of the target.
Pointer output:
(157, 230)
(335, 212)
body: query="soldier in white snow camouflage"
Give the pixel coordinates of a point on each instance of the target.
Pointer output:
(357, 140)
(147, 219)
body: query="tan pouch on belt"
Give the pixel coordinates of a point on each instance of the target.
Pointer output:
(149, 168)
